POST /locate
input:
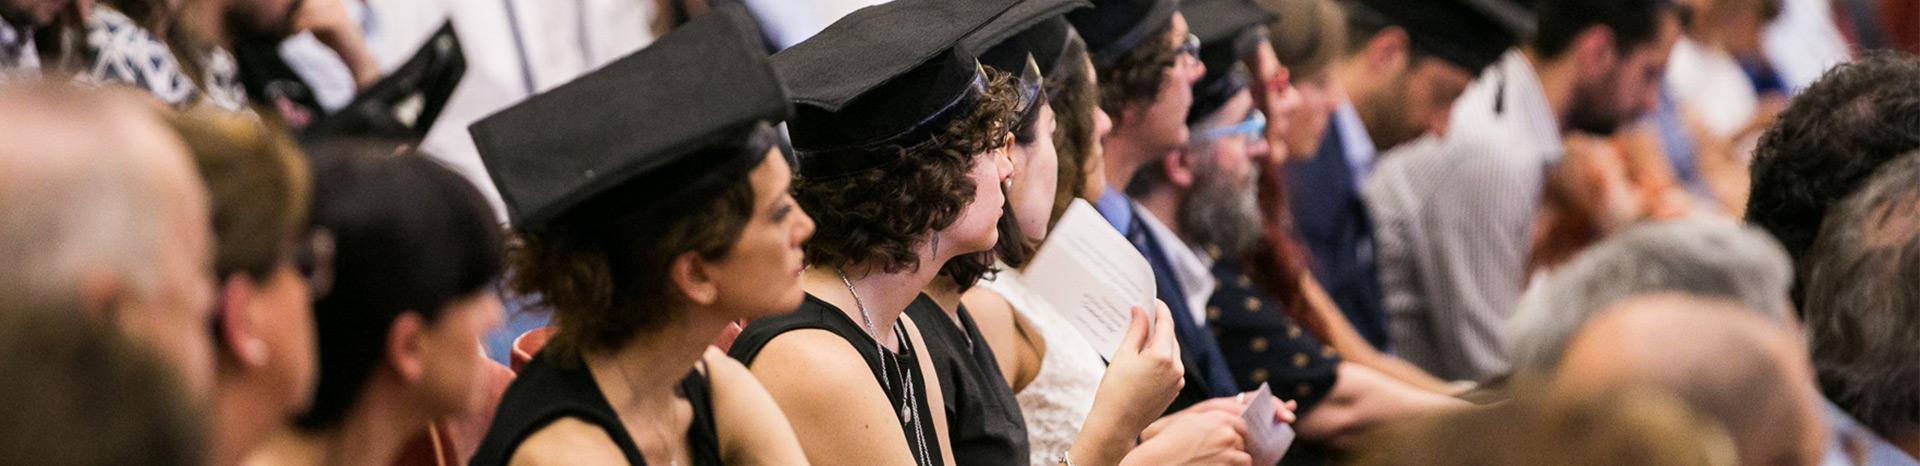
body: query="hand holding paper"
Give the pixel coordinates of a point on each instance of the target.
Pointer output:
(1268, 439)
(1092, 276)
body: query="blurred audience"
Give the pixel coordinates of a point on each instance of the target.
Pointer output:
(1745, 370)
(117, 225)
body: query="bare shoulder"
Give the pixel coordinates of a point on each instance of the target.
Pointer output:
(801, 360)
(986, 305)
(568, 441)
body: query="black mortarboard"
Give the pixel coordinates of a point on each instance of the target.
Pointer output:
(1114, 27)
(1005, 45)
(403, 105)
(641, 128)
(1229, 31)
(1462, 32)
(879, 82)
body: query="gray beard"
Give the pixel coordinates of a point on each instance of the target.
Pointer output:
(1221, 212)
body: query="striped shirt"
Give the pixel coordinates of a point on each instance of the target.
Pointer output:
(1453, 218)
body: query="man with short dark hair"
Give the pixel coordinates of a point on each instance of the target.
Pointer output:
(1454, 215)
(1863, 312)
(1147, 60)
(1405, 64)
(1830, 138)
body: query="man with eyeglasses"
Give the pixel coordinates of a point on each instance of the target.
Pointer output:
(1146, 61)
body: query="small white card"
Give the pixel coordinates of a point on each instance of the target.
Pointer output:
(1267, 439)
(1092, 276)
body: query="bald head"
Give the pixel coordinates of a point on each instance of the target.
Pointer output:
(1747, 371)
(100, 205)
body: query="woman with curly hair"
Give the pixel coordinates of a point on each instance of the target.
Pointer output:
(902, 142)
(647, 237)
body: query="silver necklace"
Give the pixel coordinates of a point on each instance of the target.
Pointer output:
(907, 400)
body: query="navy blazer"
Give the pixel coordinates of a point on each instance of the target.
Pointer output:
(1332, 221)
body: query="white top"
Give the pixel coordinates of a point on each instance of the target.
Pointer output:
(1055, 404)
(1191, 270)
(1708, 83)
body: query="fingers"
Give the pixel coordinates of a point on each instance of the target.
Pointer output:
(1237, 458)
(1135, 339)
(1164, 340)
(1286, 412)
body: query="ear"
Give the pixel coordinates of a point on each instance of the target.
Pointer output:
(236, 321)
(691, 276)
(100, 292)
(407, 346)
(1594, 50)
(1179, 167)
(1388, 51)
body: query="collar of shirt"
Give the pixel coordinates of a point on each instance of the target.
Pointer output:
(1354, 138)
(1116, 208)
(1527, 108)
(1191, 270)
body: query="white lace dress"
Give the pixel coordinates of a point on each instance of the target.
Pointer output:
(1055, 404)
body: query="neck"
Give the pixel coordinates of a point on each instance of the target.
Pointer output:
(1164, 204)
(208, 19)
(1557, 79)
(240, 422)
(1122, 157)
(671, 350)
(372, 433)
(885, 295)
(944, 292)
(1908, 441)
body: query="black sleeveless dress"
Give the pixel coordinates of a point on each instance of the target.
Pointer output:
(546, 391)
(891, 368)
(983, 416)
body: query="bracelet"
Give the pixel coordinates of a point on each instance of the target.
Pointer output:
(1065, 459)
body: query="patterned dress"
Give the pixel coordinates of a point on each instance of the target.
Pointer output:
(120, 51)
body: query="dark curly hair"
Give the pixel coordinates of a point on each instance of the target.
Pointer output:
(881, 215)
(602, 269)
(1829, 139)
(1137, 76)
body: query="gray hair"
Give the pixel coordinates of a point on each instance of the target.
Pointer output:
(78, 198)
(1863, 300)
(1705, 258)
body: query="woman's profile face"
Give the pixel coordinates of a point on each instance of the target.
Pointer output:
(1036, 177)
(976, 229)
(760, 274)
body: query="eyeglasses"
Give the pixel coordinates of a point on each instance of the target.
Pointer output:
(1254, 125)
(1190, 48)
(314, 260)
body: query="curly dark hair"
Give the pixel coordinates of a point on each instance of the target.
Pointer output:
(1137, 76)
(1860, 317)
(603, 268)
(1829, 139)
(880, 216)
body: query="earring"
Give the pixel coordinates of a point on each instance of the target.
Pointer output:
(936, 244)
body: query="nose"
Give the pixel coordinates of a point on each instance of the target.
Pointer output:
(805, 230)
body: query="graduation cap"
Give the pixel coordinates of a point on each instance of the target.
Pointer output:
(403, 105)
(639, 135)
(1006, 44)
(1229, 31)
(1114, 27)
(1466, 33)
(877, 84)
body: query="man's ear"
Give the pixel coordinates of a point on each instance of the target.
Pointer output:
(406, 346)
(236, 323)
(1179, 168)
(691, 276)
(1388, 52)
(1594, 50)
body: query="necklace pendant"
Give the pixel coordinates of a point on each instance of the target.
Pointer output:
(906, 413)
